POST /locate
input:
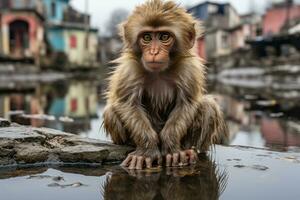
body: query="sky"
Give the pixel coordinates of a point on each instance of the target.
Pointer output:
(100, 9)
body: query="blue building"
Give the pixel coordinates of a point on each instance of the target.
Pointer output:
(55, 10)
(69, 32)
(55, 15)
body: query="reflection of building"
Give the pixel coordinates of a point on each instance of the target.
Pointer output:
(275, 133)
(22, 29)
(4, 106)
(69, 33)
(81, 100)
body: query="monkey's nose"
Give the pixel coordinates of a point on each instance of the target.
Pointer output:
(154, 51)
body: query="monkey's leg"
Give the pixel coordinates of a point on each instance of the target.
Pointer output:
(207, 128)
(114, 127)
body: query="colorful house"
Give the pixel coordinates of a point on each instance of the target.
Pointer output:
(277, 16)
(69, 32)
(22, 29)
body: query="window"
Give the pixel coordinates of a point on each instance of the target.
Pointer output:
(225, 42)
(73, 41)
(74, 105)
(53, 9)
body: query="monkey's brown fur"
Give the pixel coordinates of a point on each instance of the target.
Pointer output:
(167, 112)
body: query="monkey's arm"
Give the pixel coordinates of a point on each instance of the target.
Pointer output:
(139, 126)
(143, 135)
(176, 126)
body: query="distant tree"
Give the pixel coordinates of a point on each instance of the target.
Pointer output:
(117, 16)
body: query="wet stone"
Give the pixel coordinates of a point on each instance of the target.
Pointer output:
(51, 133)
(83, 153)
(31, 153)
(28, 145)
(20, 133)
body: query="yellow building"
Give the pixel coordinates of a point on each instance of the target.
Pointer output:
(81, 46)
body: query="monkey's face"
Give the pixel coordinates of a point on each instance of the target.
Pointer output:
(156, 46)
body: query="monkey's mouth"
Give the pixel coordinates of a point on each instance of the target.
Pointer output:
(156, 65)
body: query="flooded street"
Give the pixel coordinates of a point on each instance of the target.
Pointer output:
(229, 175)
(257, 115)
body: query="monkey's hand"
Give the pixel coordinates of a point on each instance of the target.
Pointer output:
(142, 157)
(181, 158)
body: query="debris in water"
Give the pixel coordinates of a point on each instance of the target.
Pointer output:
(74, 185)
(239, 166)
(260, 167)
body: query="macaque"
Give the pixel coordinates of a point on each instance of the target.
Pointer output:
(156, 98)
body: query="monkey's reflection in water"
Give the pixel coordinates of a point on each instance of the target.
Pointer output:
(201, 181)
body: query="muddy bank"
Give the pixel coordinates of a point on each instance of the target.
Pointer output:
(28, 145)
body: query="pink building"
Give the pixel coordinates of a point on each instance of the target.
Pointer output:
(22, 33)
(276, 17)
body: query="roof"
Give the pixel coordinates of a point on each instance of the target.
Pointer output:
(207, 2)
(74, 26)
(41, 17)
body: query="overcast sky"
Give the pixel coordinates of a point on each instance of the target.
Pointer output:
(100, 9)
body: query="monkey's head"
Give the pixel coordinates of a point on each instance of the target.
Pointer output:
(158, 33)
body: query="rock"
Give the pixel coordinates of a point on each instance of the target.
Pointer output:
(31, 153)
(21, 134)
(28, 145)
(51, 133)
(83, 153)
(4, 123)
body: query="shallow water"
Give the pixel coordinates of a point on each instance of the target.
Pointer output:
(257, 116)
(228, 173)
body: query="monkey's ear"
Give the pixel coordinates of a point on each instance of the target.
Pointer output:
(192, 39)
(195, 32)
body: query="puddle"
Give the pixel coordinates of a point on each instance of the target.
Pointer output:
(228, 173)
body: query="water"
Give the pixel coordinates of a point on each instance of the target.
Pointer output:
(259, 114)
(228, 173)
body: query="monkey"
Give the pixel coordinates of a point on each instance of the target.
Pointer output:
(156, 98)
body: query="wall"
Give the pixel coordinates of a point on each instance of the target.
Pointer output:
(80, 55)
(56, 37)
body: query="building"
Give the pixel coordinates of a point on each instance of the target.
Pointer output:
(219, 19)
(22, 29)
(279, 15)
(69, 33)
(225, 30)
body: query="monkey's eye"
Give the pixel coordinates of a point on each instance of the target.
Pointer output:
(164, 37)
(147, 37)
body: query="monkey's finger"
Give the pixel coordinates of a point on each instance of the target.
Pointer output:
(175, 159)
(125, 163)
(168, 160)
(148, 163)
(140, 162)
(133, 162)
(192, 158)
(183, 159)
